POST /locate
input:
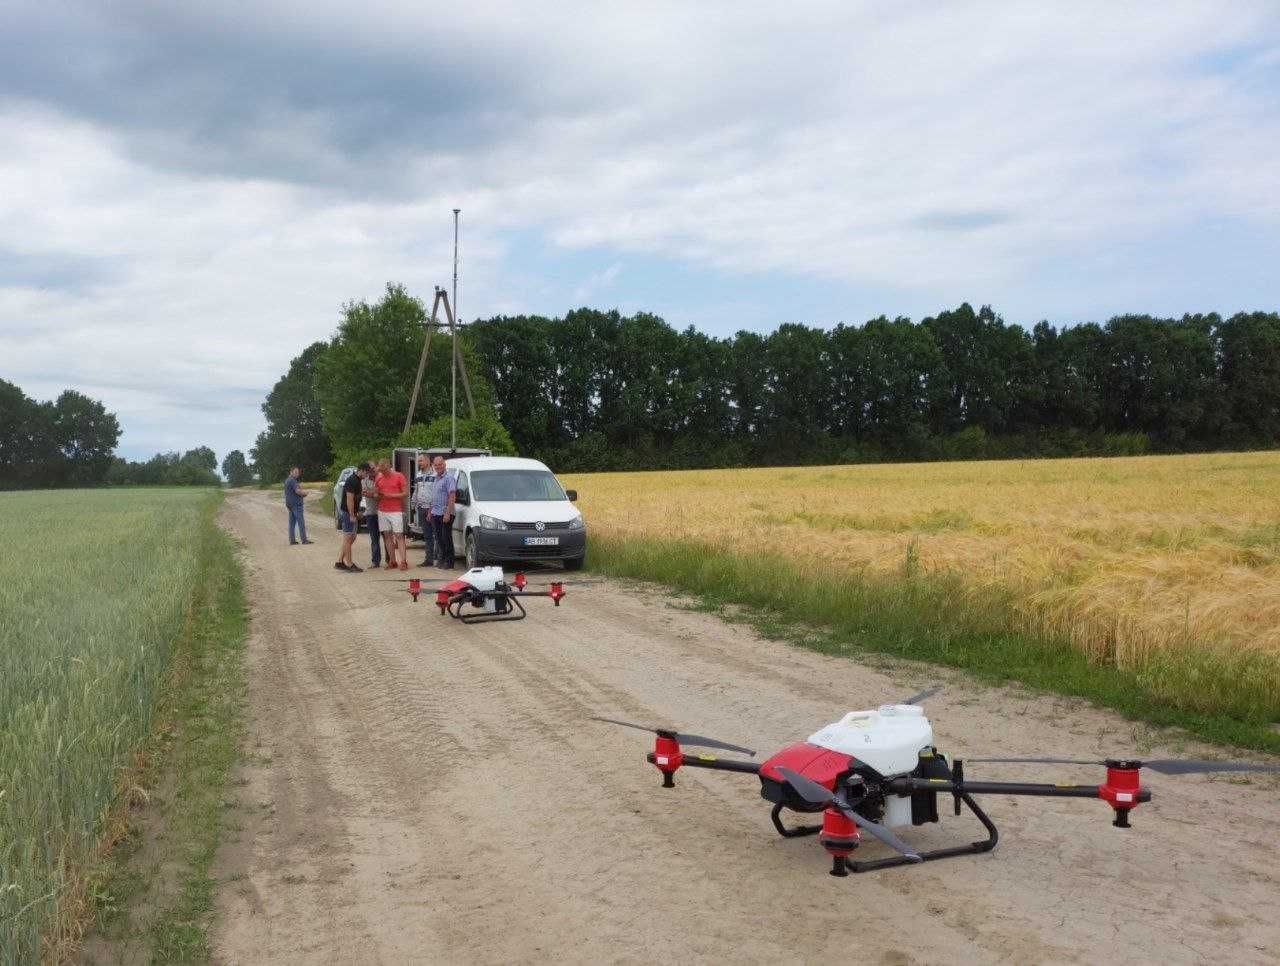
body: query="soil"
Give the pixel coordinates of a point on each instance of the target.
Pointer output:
(417, 790)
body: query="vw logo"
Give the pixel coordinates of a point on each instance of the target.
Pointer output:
(539, 525)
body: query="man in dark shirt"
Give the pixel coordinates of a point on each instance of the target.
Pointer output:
(293, 495)
(349, 517)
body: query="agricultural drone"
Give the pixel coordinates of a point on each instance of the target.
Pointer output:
(487, 594)
(873, 771)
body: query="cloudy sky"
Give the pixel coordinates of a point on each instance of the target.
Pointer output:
(188, 193)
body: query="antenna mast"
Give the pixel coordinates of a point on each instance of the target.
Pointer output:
(453, 327)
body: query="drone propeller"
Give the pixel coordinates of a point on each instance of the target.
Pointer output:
(697, 741)
(816, 794)
(1165, 766)
(921, 695)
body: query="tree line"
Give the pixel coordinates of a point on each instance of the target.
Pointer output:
(71, 441)
(597, 390)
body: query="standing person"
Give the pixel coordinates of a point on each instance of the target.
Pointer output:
(293, 497)
(349, 519)
(392, 489)
(443, 494)
(422, 500)
(371, 514)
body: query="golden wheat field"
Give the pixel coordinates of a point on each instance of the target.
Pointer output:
(1124, 556)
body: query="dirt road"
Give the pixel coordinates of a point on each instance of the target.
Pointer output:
(421, 791)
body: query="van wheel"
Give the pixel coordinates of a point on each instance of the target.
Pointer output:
(575, 563)
(473, 555)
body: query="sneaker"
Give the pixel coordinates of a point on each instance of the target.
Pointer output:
(404, 565)
(293, 543)
(308, 541)
(339, 566)
(425, 563)
(354, 569)
(390, 565)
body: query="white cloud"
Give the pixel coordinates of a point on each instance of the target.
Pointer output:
(194, 195)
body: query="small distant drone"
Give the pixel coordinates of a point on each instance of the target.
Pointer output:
(483, 595)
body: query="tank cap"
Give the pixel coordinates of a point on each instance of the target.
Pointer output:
(901, 710)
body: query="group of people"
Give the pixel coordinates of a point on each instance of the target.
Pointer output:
(376, 492)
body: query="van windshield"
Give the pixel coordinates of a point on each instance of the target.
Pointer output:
(515, 486)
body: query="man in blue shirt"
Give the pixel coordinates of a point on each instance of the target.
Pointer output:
(422, 486)
(444, 491)
(293, 496)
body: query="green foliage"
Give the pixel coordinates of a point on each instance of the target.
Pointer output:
(193, 468)
(483, 432)
(295, 433)
(364, 378)
(68, 442)
(356, 454)
(235, 469)
(598, 390)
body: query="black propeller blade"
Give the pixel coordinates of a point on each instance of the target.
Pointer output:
(921, 695)
(1165, 766)
(816, 794)
(1192, 766)
(1042, 761)
(697, 741)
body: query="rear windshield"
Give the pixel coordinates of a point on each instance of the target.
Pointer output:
(514, 486)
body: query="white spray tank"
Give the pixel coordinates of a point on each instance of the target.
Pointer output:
(888, 739)
(485, 578)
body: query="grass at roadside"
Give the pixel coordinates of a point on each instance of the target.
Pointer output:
(931, 617)
(120, 618)
(155, 892)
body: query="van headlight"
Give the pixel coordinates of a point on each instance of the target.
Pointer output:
(575, 523)
(491, 523)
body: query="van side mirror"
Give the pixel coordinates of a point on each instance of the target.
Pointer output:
(572, 495)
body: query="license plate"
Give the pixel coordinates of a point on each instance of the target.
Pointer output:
(542, 541)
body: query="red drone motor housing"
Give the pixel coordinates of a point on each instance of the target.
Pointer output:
(1122, 789)
(667, 757)
(839, 834)
(519, 581)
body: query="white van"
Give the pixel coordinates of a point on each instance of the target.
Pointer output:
(510, 508)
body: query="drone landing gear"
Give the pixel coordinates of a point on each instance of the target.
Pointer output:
(792, 833)
(508, 609)
(986, 845)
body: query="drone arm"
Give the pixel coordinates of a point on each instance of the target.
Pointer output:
(907, 785)
(1121, 790)
(715, 764)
